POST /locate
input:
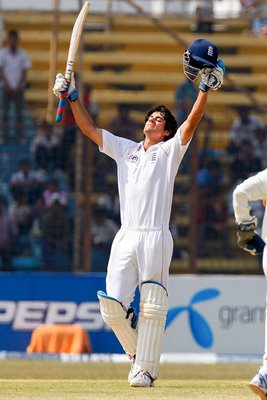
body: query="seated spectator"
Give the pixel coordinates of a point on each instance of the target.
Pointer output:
(46, 147)
(210, 175)
(109, 202)
(259, 21)
(245, 164)
(243, 128)
(26, 181)
(123, 124)
(104, 230)
(55, 236)
(263, 31)
(260, 145)
(212, 222)
(248, 6)
(21, 211)
(35, 234)
(8, 236)
(52, 189)
(26, 260)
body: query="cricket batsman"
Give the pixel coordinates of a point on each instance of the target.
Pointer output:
(142, 249)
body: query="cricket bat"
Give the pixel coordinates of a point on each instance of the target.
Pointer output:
(73, 49)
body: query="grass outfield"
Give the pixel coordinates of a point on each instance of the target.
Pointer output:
(55, 380)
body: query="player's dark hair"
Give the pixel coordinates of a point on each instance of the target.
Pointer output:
(13, 33)
(170, 121)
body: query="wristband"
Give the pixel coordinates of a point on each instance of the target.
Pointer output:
(203, 87)
(73, 96)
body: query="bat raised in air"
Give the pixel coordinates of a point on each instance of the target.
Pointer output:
(73, 49)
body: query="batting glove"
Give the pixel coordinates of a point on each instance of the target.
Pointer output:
(248, 239)
(61, 85)
(212, 78)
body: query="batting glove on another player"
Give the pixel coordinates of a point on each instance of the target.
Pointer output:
(61, 85)
(212, 78)
(248, 239)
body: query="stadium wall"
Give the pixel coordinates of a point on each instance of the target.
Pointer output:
(222, 315)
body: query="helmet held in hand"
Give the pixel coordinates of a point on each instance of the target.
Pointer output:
(201, 53)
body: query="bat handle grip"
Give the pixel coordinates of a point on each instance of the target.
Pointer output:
(61, 105)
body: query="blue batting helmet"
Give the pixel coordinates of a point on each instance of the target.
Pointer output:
(201, 53)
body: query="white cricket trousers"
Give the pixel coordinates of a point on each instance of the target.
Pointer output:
(264, 265)
(137, 256)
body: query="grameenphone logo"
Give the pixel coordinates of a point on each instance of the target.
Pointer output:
(199, 326)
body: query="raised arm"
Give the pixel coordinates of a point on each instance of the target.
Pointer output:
(200, 59)
(81, 115)
(86, 123)
(189, 126)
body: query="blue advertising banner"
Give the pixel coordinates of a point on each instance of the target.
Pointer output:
(28, 300)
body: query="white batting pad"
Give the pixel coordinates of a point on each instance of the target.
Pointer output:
(151, 326)
(115, 316)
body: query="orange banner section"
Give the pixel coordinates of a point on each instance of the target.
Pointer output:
(71, 339)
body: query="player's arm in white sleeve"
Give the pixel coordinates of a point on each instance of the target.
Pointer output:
(253, 188)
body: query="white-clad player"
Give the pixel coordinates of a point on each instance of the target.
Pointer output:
(252, 189)
(142, 249)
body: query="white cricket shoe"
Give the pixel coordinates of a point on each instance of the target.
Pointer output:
(142, 379)
(258, 384)
(132, 373)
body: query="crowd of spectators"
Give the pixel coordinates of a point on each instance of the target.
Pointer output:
(37, 204)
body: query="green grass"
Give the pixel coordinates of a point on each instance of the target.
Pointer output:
(54, 380)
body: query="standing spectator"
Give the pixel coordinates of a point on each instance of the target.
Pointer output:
(123, 124)
(204, 16)
(8, 236)
(27, 181)
(14, 64)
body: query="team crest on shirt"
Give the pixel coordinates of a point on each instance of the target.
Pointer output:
(153, 158)
(132, 157)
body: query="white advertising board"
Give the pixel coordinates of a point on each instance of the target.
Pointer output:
(218, 314)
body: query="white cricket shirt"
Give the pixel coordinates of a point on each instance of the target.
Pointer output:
(14, 65)
(145, 179)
